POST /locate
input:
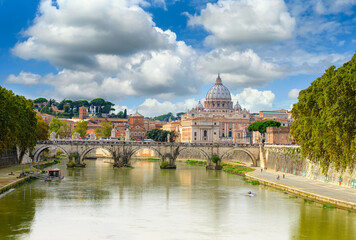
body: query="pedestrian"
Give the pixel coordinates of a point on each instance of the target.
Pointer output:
(284, 176)
(261, 169)
(278, 177)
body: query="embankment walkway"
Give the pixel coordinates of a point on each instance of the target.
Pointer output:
(343, 197)
(7, 180)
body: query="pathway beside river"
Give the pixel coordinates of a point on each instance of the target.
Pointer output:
(340, 196)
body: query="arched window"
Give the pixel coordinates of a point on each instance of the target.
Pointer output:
(230, 134)
(205, 133)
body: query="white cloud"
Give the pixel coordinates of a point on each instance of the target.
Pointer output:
(334, 6)
(293, 93)
(152, 107)
(71, 38)
(110, 49)
(255, 100)
(245, 21)
(25, 78)
(238, 69)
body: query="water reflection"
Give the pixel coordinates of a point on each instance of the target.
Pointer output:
(145, 202)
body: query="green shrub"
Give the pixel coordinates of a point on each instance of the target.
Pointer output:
(164, 164)
(215, 159)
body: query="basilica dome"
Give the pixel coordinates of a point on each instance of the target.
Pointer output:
(218, 91)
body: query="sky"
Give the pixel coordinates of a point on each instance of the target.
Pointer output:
(162, 56)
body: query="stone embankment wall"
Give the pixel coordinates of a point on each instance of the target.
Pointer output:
(289, 160)
(8, 158)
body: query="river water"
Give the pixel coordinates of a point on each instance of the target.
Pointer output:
(100, 202)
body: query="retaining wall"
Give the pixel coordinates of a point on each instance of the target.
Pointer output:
(288, 159)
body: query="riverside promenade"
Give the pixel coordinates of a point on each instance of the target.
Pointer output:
(342, 197)
(7, 180)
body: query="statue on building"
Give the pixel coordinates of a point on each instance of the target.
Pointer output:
(53, 136)
(113, 133)
(127, 136)
(168, 137)
(92, 136)
(76, 136)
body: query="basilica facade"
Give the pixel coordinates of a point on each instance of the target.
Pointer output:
(218, 120)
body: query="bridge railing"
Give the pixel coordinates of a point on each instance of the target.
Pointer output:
(139, 143)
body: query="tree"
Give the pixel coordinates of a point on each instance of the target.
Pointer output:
(40, 100)
(81, 128)
(160, 135)
(325, 117)
(41, 129)
(261, 126)
(61, 128)
(18, 123)
(104, 130)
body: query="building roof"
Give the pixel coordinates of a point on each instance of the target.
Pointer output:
(218, 91)
(136, 114)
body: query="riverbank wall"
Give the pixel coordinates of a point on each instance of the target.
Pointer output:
(288, 159)
(8, 158)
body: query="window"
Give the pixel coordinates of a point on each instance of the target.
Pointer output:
(218, 104)
(195, 139)
(135, 133)
(214, 123)
(143, 134)
(195, 134)
(136, 127)
(139, 134)
(214, 133)
(205, 133)
(230, 134)
(223, 105)
(195, 123)
(223, 135)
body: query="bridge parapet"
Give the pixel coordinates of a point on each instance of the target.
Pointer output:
(123, 151)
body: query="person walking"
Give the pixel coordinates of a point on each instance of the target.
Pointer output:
(278, 177)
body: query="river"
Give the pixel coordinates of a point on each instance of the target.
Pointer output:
(145, 202)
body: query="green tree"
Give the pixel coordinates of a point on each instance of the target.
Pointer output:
(261, 126)
(160, 135)
(18, 123)
(325, 118)
(61, 128)
(41, 129)
(125, 114)
(104, 130)
(40, 100)
(81, 128)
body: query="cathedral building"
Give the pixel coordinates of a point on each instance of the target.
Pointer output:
(218, 120)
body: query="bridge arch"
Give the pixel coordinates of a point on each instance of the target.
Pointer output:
(206, 155)
(254, 161)
(86, 151)
(37, 153)
(134, 150)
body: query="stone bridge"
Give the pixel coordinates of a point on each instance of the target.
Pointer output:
(123, 151)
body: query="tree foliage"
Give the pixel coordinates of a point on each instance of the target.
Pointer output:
(40, 100)
(61, 128)
(104, 130)
(41, 129)
(17, 122)
(261, 126)
(325, 118)
(81, 128)
(160, 135)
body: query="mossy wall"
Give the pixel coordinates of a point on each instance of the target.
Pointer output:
(289, 160)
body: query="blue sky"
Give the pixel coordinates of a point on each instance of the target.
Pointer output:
(162, 56)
